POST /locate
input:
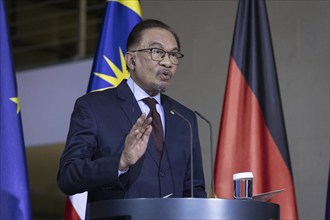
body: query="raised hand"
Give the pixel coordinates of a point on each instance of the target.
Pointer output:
(136, 142)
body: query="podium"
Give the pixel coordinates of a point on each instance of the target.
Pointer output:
(181, 209)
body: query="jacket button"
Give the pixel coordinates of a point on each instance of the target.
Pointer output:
(161, 173)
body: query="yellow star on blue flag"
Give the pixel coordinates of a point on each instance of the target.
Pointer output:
(14, 184)
(109, 66)
(16, 100)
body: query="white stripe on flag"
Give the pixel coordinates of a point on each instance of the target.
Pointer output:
(79, 202)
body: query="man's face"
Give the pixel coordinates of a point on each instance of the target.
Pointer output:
(153, 76)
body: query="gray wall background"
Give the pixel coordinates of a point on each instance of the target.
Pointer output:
(300, 32)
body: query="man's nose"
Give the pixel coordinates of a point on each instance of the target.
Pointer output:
(167, 60)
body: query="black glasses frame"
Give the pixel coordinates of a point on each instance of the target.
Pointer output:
(175, 57)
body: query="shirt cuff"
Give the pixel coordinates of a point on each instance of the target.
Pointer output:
(121, 172)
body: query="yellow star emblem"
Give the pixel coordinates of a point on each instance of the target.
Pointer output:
(16, 100)
(119, 74)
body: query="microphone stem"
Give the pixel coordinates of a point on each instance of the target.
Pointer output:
(211, 148)
(191, 153)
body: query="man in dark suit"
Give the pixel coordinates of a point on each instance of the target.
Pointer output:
(113, 149)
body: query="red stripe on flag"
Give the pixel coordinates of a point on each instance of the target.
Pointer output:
(245, 144)
(69, 212)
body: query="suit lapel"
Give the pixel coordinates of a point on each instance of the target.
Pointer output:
(128, 103)
(132, 110)
(170, 130)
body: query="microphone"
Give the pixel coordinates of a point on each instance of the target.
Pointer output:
(174, 112)
(211, 148)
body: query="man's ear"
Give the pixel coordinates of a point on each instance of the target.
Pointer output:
(130, 62)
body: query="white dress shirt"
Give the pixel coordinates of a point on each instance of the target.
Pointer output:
(140, 94)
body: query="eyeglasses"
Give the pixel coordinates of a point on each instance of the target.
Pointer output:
(159, 55)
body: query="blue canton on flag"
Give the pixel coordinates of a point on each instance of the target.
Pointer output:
(109, 67)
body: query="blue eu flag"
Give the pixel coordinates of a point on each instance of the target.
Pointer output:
(14, 186)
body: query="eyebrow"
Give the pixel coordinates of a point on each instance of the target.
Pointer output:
(161, 46)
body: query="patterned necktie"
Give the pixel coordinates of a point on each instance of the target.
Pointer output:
(157, 127)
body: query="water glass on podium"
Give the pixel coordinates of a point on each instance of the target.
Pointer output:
(243, 185)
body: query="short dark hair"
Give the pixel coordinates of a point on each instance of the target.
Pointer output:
(136, 33)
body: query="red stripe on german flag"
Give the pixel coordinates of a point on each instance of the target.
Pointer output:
(246, 144)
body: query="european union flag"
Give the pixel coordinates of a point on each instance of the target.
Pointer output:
(109, 67)
(327, 206)
(14, 187)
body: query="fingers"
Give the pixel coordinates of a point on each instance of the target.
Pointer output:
(140, 127)
(136, 142)
(146, 134)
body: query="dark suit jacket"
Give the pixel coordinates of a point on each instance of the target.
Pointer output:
(99, 124)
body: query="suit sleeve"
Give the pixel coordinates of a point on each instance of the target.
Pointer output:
(80, 170)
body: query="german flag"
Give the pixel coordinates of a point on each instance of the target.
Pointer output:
(252, 135)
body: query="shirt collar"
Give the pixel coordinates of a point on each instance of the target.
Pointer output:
(139, 93)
